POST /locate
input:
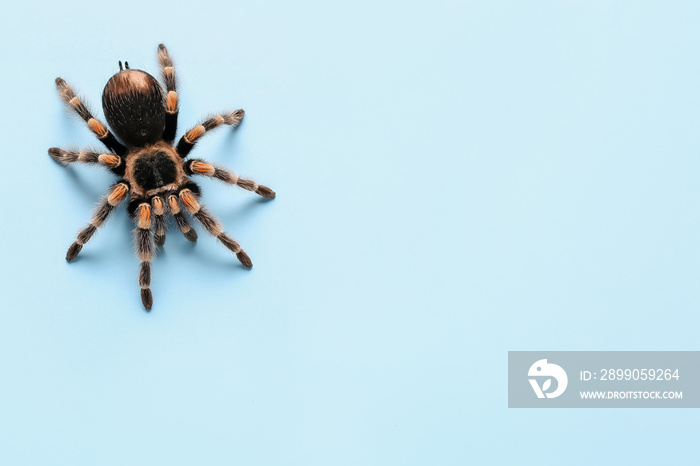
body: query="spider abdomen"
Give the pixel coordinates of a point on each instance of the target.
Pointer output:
(154, 170)
(133, 104)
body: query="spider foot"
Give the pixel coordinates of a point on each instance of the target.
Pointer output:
(159, 240)
(147, 298)
(245, 260)
(73, 251)
(191, 235)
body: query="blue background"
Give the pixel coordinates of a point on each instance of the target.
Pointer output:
(455, 180)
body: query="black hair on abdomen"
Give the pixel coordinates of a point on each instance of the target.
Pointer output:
(133, 104)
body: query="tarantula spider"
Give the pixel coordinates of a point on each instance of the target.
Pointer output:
(154, 173)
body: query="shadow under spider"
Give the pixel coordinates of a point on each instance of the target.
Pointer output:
(86, 189)
(242, 211)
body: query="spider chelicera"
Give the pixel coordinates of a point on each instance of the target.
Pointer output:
(154, 174)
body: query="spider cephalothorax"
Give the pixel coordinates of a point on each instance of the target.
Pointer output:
(154, 174)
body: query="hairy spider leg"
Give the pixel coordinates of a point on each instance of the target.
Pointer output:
(144, 251)
(182, 223)
(116, 194)
(190, 138)
(95, 126)
(200, 167)
(172, 109)
(159, 210)
(110, 161)
(212, 225)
